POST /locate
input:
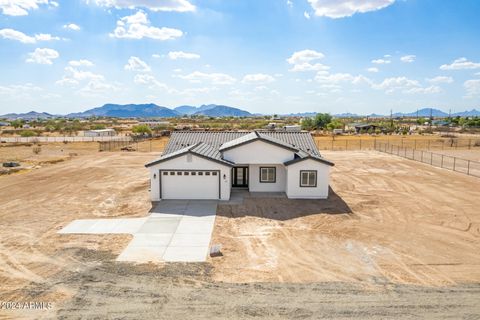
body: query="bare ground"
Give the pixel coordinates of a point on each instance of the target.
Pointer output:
(397, 239)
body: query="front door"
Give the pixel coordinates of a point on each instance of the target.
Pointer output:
(240, 177)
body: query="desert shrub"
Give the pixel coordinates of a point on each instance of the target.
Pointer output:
(28, 133)
(36, 149)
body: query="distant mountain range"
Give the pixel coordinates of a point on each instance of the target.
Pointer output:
(152, 110)
(423, 113)
(149, 110)
(28, 116)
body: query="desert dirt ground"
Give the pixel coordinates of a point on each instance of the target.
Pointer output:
(397, 239)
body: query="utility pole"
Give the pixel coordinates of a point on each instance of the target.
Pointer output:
(391, 119)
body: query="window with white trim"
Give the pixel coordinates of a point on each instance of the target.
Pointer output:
(267, 174)
(308, 178)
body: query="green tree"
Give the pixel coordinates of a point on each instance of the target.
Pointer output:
(335, 124)
(322, 119)
(142, 129)
(17, 123)
(308, 124)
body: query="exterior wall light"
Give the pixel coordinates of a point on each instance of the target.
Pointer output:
(154, 176)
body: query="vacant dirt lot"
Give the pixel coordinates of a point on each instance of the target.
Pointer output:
(397, 239)
(388, 220)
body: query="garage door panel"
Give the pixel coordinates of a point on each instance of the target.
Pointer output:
(190, 186)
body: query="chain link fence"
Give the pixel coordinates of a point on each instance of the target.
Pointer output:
(369, 143)
(456, 164)
(135, 143)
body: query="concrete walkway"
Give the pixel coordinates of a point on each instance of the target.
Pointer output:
(176, 230)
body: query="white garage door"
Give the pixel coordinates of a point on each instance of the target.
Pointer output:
(189, 184)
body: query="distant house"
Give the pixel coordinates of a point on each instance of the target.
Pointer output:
(100, 133)
(209, 165)
(153, 124)
(4, 124)
(294, 127)
(363, 127)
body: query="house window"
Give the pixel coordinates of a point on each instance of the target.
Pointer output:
(308, 178)
(179, 173)
(214, 173)
(267, 174)
(172, 173)
(194, 173)
(200, 173)
(186, 173)
(165, 173)
(207, 173)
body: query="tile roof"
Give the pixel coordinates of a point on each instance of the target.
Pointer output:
(297, 140)
(255, 135)
(200, 149)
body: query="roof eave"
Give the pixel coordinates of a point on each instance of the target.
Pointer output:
(224, 162)
(324, 161)
(258, 139)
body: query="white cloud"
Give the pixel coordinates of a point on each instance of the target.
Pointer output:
(19, 90)
(93, 83)
(45, 37)
(472, 87)
(16, 35)
(157, 5)
(306, 15)
(156, 56)
(258, 78)
(74, 76)
(306, 55)
(149, 80)
(137, 26)
(381, 61)
(373, 69)
(333, 80)
(22, 7)
(43, 56)
(302, 61)
(22, 37)
(137, 65)
(174, 55)
(460, 63)
(424, 90)
(97, 87)
(440, 79)
(346, 8)
(215, 78)
(72, 26)
(408, 58)
(81, 63)
(289, 3)
(405, 85)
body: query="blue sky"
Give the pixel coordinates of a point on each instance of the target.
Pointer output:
(269, 56)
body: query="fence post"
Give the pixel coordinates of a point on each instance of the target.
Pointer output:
(441, 164)
(346, 145)
(469, 144)
(415, 144)
(431, 158)
(468, 167)
(454, 162)
(360, 143)
(422, 156)
(428, 146)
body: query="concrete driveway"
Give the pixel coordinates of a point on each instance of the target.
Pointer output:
(176, 230)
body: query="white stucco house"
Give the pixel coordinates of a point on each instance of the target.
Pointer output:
(209, 165)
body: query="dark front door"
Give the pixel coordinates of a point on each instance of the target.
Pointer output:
(240, 177)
